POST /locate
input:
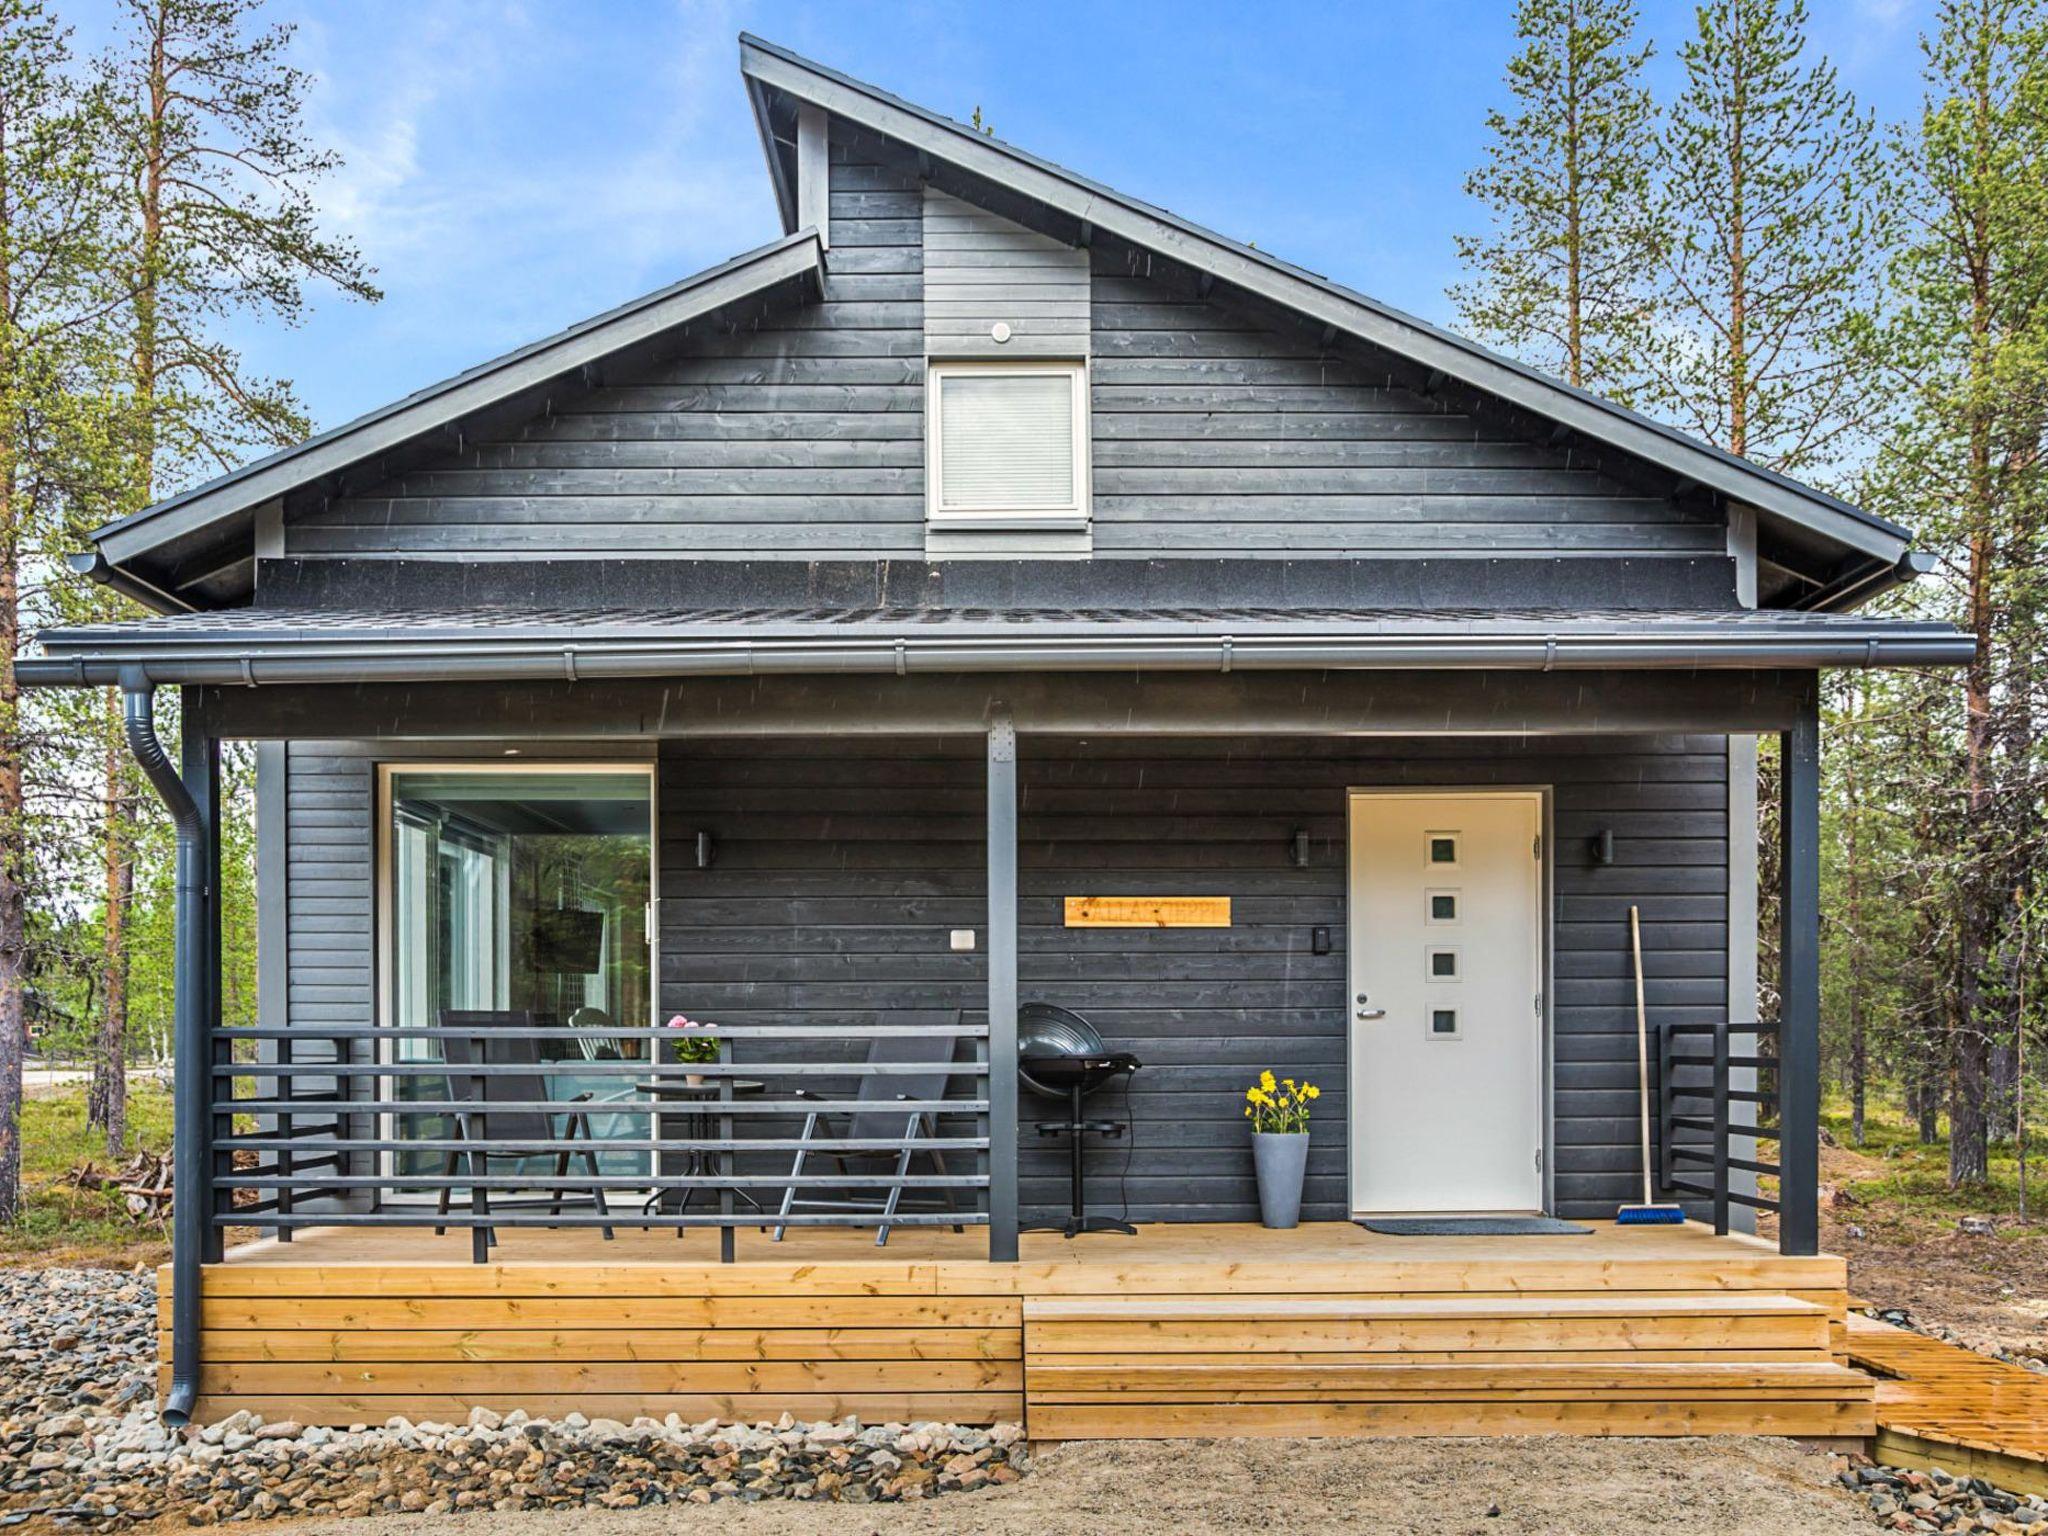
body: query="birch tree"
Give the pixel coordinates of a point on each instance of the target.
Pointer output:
(1563, 276)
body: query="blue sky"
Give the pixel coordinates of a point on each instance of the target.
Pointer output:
(515, 165)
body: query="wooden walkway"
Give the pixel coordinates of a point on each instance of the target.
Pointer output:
(1938, 1405)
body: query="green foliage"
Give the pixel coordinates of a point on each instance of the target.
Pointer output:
(59, 1220)
(1563, 276)
(1775, 200)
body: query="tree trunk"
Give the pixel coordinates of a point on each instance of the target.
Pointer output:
(13, 828)
(1968, 1151)
(107, 1098)
(1852, 874)
(13, 863)
(1574, 326)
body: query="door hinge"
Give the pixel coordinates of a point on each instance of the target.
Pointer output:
(1537, 1006)
(1539, 847)
(1539, 1159)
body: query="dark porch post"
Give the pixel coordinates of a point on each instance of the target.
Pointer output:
(1002, 986)
(1799, 981)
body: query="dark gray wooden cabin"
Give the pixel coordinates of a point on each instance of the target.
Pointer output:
(890, 715)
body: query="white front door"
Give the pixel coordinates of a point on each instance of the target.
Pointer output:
(1446, 951)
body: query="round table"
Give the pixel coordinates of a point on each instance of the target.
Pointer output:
(696, 1108)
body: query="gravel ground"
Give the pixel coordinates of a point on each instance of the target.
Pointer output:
(81, 1447)
(1557, 1487)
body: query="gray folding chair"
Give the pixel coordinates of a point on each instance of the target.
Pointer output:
(881, 1123)
(483, 1128)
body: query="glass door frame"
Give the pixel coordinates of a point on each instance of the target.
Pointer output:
(383, 899)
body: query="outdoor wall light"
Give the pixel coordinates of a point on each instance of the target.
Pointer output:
(1601, 846)
(705, 851)
(1297, 848)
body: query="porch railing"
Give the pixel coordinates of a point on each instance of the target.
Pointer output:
(353, 1125)
(1702, 1116)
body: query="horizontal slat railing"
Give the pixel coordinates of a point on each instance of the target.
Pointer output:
(1686, 1078)
(346, 1125)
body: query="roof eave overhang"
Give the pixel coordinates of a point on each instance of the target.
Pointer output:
(770, 67)
(133, 537)
(443, 659)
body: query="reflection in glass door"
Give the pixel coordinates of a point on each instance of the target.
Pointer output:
(521, 890)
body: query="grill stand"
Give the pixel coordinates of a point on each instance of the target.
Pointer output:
(1074, 1127)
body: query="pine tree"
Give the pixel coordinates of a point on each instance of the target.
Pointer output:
(1773, 182)
(53, 306)
(1563, 277)
(1966, 467)
(211, 147)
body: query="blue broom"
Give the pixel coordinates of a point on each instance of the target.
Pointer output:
(1649, 1213)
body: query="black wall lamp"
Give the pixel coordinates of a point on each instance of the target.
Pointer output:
(1297, 848)
(706, 851)
(1601, 846)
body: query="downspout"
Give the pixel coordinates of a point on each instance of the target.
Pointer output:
(189, 1103)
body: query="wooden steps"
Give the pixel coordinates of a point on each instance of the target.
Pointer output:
(1184, 1330)
(1156, 1367)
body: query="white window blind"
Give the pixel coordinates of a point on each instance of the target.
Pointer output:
(1007, 442)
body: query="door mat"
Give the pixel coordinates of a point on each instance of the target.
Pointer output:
(1472, 1226)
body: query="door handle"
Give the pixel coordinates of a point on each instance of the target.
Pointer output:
(1372, 1013)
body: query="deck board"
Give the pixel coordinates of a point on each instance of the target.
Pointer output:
(1940, 1405)
(1181, 1330)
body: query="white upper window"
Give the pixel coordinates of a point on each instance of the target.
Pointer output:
(1008, 444)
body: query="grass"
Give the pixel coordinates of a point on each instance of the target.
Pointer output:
(62, 1223)
(1894, 1176)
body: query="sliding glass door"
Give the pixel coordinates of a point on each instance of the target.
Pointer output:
(522, 892)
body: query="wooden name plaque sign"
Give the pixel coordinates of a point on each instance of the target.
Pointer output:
(1148, 911)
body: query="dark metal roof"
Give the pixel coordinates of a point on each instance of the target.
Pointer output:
(264, 645)
(774, 67)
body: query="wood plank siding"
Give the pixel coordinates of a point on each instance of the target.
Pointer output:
(842, 869)
(796, 431)
(981, 269)
(1217, 433)
(843, 866)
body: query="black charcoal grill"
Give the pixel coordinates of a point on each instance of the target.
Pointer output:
(1060, 1056)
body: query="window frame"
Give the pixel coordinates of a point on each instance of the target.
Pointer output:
(383, 900)
(1074, 515)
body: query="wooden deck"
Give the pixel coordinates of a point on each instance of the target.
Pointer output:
(1940, 1406)
(1183, 1330)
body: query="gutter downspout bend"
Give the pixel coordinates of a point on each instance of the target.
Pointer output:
(189, 1208)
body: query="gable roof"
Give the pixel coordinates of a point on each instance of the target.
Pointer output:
(201, 544)
(797, 256)
(771, 69)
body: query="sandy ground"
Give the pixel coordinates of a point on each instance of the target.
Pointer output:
(1557, 1487)
(1992, 1290)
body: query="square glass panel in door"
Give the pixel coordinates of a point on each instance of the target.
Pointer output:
(522, 891)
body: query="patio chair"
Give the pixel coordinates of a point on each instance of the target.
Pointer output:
(484, 1129)
(881, 1124)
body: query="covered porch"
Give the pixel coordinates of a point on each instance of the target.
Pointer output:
(814, 846)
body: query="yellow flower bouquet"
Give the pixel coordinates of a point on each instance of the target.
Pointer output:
(1280, 1106)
